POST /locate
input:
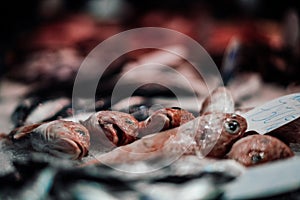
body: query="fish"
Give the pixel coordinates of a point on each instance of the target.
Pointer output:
(64, 139)
(110, 129)
(163, 119)
(211, 134)
(232, 127)
(258, 149)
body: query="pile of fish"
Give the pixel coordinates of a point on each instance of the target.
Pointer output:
(149, 146)
(157, 154)
(146, 146)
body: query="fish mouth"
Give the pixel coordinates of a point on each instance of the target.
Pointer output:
(83, 151)
(68, 148)
(124, 138)
(116, 134)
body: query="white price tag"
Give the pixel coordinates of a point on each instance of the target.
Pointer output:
(273, 114)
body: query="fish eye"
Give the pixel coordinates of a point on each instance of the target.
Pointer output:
(80, 132)
(128, 121)
(232, 127)
(257, 157)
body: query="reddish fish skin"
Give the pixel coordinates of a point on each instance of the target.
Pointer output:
(60, 138)
(258, 149)
(164, 119)
(226, 140)
(119, 128)
(179, 141)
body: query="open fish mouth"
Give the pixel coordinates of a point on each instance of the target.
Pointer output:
(67, 148)
(116, 134)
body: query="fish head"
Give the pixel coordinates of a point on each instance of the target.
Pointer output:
(65, 139)
(164, 119)
(121, 128)
(218, 131)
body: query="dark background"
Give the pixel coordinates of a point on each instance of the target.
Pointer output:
(19, 18)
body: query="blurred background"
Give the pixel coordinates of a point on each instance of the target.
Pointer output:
(34, 30)
(254, 43)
